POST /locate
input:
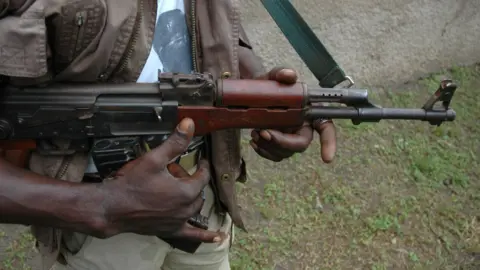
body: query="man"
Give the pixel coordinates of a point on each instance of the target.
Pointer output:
(90, 223)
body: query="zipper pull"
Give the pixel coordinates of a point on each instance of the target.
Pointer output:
(79, 20)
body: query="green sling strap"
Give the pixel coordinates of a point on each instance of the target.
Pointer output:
(306, 44)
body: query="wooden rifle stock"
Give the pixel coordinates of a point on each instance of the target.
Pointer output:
(17, 152)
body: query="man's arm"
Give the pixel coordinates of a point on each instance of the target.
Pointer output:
(28, 198)
(144, 198)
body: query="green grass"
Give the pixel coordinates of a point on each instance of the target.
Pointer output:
(17, 251)
(400, 194)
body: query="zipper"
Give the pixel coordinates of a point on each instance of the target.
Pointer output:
(193, 20)
(80, 19)
(132, 41)
(64, 166)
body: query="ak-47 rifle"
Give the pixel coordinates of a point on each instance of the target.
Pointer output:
(116, 121)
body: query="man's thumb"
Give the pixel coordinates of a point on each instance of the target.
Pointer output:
(185, 128)
(176, 144)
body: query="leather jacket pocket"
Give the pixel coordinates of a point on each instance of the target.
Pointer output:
(78, 25)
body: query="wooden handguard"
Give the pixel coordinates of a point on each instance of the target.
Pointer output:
(18, 158)
(250, 103)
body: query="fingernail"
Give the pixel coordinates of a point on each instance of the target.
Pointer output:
(266, 135)
(217, 239)
(185, 126)
(288, 72)
(328, 158)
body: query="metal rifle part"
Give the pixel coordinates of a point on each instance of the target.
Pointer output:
(359, 109)
(103, 113)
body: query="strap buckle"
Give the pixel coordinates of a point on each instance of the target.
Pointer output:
(349, 83)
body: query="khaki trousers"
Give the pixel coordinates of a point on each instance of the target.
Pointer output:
(137, 252)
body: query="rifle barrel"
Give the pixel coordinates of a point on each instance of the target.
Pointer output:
(376, 114)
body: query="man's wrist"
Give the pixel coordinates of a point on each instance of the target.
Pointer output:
(76, 207)
(111, 200)
(87, 209)
(31, 199)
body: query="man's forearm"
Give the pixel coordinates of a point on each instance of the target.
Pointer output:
(30, 199)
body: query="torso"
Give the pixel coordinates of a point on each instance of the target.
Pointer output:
(108, 41)
(170, 50)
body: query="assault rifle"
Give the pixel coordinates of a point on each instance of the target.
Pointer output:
(117, 121)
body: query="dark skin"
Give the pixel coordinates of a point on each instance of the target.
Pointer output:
(149, 196)
(277, 145)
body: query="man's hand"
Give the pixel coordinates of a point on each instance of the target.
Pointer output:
(277, 145)
(148, 198)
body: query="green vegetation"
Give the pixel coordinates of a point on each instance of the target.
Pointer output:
(400, 194)
(16, 249)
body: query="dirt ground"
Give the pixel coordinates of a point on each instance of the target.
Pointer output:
(400, 195)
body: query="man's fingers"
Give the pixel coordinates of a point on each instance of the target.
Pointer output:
(277, 145)
(297, 142)
(286, 76)
(196, 205)
(201, 177)
(264, 153)
(188, 232)
(281, 75)
(328, 140)
(271, 75)
(175, 145)
(193, 185)
(276, 153)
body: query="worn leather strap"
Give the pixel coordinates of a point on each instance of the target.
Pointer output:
(306, 44)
